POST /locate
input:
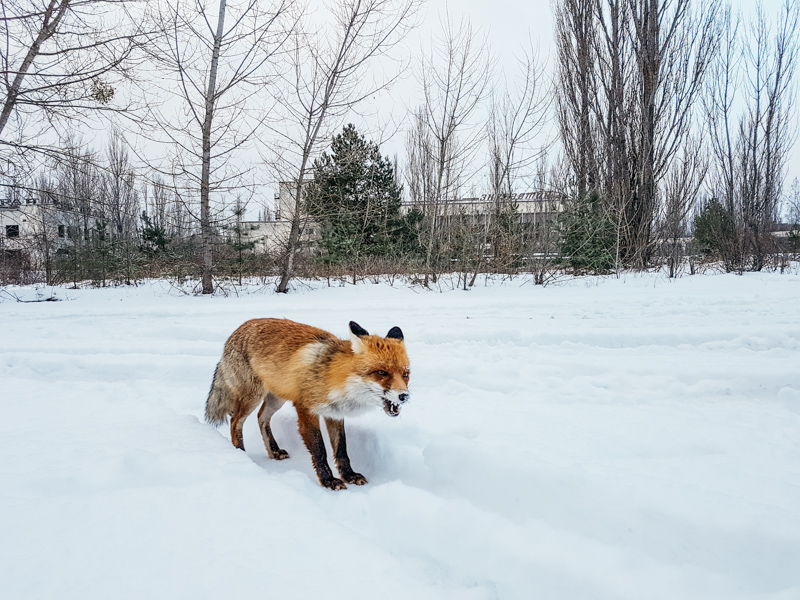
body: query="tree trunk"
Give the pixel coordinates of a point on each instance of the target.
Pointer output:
(649, 65)
(287, 270)
(205, 174)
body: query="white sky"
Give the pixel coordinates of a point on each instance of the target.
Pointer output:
(507, 25)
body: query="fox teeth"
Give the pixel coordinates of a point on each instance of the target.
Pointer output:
(390, 408)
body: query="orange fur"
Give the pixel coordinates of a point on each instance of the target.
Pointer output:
(271, 361)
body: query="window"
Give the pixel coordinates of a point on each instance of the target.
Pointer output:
(12, 231)
(62, 231)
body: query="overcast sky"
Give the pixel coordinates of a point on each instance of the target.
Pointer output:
(507, 25)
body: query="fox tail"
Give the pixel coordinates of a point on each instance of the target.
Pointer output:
(218, 404)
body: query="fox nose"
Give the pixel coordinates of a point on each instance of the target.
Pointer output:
(403, 397)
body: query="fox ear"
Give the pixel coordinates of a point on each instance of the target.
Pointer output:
(356, 333)
(357, 329)
(395, 333)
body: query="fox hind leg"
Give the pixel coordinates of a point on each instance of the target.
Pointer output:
(270, 406)
(235, 391)
(237, 437)
(246, 402)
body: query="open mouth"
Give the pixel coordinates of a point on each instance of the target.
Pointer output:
(390, 408)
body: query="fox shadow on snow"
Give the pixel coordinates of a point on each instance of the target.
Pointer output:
(363, 446)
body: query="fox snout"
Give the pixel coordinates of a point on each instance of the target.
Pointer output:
(393, 401)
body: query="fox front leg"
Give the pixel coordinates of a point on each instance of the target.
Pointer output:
(308, 424)
(339, 444)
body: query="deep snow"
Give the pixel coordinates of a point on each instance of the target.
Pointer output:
(600, 438)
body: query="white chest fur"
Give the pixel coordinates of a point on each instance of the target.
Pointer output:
(357, 396)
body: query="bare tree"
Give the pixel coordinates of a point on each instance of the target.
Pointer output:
(121, 200)
(121, 196)
(517, 119)
(615, 110)
(60, 61)
(541, 231)
(766, 132)
(576, 42)
(682, 185)
(719, 106)
(644, 73)
(596, 100)
(793, 206)
(750, 151)
(156, 203)
(420, 175)
(673, 44)
(216, 63)
(78, 186)
(455, 78)
(329, 77)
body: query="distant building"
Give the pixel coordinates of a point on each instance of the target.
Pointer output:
(285, 200)
(531, 206)
(29, 228)
(271, 233)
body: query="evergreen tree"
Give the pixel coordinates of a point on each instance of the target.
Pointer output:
(587, 235)
(714, 229)
(238, 240)
(355, 198)
(154, 237)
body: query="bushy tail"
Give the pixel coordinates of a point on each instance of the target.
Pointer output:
(217, 405)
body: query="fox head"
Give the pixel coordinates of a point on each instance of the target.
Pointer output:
(381, 368)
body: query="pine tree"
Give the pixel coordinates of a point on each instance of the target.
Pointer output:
(715, 230)
(154, 237)
(587, 235)
(355, 198)
(238, 240)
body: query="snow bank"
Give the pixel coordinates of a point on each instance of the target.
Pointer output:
(604, 438)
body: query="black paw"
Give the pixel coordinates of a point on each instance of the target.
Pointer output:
(333, 484)
(280, 454)
(354, 478)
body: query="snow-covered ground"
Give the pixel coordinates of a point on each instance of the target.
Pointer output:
(632, 438)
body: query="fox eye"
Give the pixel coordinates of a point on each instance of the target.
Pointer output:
(405, 374)
(381, 373)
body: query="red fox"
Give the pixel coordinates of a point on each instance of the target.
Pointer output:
(270, 361)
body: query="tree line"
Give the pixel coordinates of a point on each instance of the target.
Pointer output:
(661, 139)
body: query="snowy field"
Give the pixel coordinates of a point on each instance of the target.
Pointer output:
(632, 438)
